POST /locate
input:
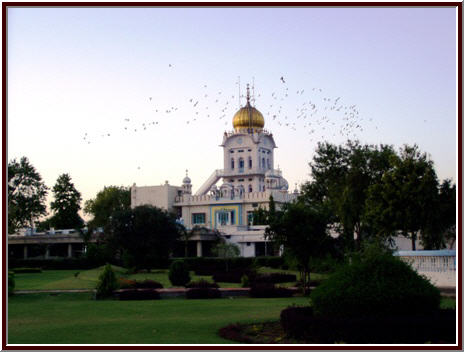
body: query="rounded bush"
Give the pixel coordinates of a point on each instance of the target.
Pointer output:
(376, 285)
(179, 274)
(107, 283)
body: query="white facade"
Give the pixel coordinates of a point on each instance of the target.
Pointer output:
(248, 180)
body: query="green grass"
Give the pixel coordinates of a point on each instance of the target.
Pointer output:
(76, 319)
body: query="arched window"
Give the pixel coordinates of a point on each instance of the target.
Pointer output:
(250, 163)
(232, 163)
(250, 189)
(263, 163)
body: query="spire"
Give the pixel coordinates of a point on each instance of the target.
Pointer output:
(248, 94)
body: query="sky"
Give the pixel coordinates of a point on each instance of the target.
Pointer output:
(108, 95)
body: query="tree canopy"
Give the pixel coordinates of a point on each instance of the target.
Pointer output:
(145, 235)
(106, 202)
(66, 205)
(26, 194)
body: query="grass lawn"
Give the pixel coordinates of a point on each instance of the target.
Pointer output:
(87, 279)
(75, 318)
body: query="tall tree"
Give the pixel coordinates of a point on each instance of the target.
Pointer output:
(106, 202)
(404, 199)
(440, 230)
(66, 205)
(302, 230)
(26, 194)
(146, 234)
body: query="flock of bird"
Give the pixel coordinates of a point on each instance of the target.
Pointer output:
(317, 114)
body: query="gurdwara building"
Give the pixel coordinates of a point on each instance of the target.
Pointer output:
(226, 200)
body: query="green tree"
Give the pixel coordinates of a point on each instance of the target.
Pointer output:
(66, 204)
(26, 194)
(146, 234)
(440, 230)
(106, 202)
(226, 250)
(404, 199)
(302, 230)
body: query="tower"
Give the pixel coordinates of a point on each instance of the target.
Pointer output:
(186, 184)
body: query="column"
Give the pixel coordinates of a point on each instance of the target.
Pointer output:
(47, 252)
(25, 251)
(199, 249)
(69, 250)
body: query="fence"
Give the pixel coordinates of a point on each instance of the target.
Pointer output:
(438, 266)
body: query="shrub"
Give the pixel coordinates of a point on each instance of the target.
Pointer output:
(202, 283)
(27, 270)
(147, 283)
(124, 283)
(275, 278)
(202, 293)
(178, 273)
(295, 321)
(245, 281)
(269, 291)
(299, 322)
(106, 283)
(137, 294)
(375, 285)
(272, 262)
(11, 283)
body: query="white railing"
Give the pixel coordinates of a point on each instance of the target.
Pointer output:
(438, 266)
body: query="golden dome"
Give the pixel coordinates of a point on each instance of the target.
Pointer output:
(248, 118)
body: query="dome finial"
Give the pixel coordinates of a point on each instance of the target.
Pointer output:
(248, 94)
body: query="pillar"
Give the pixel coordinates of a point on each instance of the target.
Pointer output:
(199, 249)
(25, 251)
(47, 252)
(69, 250)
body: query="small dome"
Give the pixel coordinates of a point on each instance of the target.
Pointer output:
(186, 179)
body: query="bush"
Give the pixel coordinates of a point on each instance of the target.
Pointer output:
(11, 283)
(375, 284)
(275, 278)
(148, 284)
(295, 321)
(269, 291)
(27, 270)
(178, 273)
(124, 283)
(202, 283)
(202, 293)
(137, 294)
(245, 281)
(299, 322)
(271, 262)
(106, 283)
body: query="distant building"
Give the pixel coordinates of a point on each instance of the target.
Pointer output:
(248, 180)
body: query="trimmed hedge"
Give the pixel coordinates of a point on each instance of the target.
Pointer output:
(202, 284)
(179, 273)
(27, 270)
(137, 294)
(202, 293)
(275, 278)
(269, 291)
(437, 327)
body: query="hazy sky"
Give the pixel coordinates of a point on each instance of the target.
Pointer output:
(76, 75)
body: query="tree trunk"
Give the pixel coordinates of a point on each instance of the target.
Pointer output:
(413, 241)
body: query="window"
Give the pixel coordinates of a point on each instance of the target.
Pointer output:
(231, 180)
(240, 151)
(241, 164)
(255, 205)
(249, 217)
(231, 151)
(250, 189)
(250, 179)
(232, 163)
(240, 180)
(263, 163)
(232, 217)
(268, 164)
(250, 163)
(198, 218)
(249, 150)
(248, 244)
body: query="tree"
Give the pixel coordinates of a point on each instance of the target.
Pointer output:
(404, 199)
(146, 234)
(302, 230)
(26, 194)
(106, 202)
(341, 177)
(66, 204)
(226, 250)
(440, 230)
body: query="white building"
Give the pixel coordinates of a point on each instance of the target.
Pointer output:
(248, 180)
